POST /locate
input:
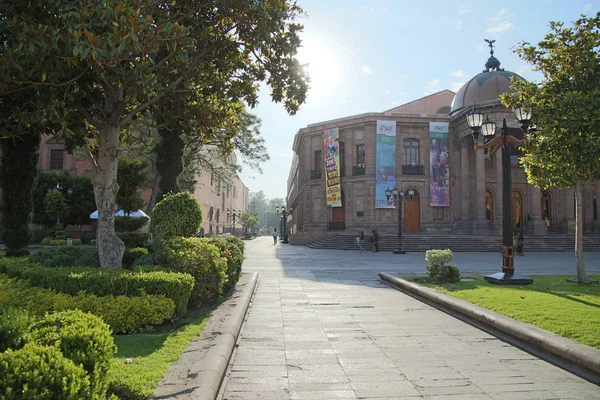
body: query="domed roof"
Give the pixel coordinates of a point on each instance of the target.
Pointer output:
(483, 87)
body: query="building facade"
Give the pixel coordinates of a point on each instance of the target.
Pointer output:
(471, 181)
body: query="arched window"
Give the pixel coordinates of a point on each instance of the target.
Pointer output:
(546, 206)
(517, 210)
(489, 205)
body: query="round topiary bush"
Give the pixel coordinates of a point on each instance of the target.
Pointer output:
(177, 214)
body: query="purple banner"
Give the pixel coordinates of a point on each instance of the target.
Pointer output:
(439, 185)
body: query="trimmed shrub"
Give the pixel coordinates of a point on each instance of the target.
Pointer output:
(236, 241)
(438, 271)
(66, 256)
(14, 328)
(203, 261)
(133, 254)
(145, 260)
(82, 338)
(87, 237)
(40, 372)
(123, 314)
(231, 251)
(100, 282)
(125, 223)
(177, 214)
(133, 240)
(37, 236)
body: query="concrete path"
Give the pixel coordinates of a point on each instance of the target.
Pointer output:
(322, 327)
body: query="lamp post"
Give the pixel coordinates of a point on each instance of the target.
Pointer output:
(283, 228)
(398, 197)
(493, 143)
(235, 214)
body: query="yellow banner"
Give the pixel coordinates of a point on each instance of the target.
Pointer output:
(332, 167)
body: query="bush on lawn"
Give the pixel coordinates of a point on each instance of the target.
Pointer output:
(123, 314)
(231, 251)
(125, 223)
(147, 259)
(14, 328)
(203, 261)
(41, 372)
(133, 254)
(177, 214)
(82, 338)
(134, 239)
(67, 256)
(234, 240)
(37, 236)
(438, 271)
(87, 237)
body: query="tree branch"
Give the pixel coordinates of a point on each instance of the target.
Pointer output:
(150, 102)
(35, 84)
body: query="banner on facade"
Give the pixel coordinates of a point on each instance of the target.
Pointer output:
(439, 185)
(332, 167)
(385, 164)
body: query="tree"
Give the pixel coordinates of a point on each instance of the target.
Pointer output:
(248, 219)
(56, 206)
(107, 62)
(132, 175)
(564, 151)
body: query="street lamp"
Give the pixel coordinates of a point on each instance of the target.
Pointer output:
(283, 228)
(493, 143)
(398, 197)
(235, 214)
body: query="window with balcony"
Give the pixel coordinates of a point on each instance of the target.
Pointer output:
(359, 168)
(411, 152)
(56, 158)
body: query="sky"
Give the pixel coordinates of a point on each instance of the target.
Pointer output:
(371, 56)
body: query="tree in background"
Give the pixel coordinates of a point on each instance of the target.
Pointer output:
(248, 219)
(132, 175)
(56, 206)
(564, 151)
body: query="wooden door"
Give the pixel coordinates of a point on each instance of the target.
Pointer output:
(412, 214)
(338, 214)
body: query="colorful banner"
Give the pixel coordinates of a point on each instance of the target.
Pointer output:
(332, 167)
(439, 185)
(385, 174)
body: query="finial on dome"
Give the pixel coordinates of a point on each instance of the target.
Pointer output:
(492, 63)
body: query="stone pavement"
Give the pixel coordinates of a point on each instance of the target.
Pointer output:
(321, 326)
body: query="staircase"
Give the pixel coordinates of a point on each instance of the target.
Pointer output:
(483, 243)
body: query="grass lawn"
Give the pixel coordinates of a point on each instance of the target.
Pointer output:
(568, 309)
(152, 355)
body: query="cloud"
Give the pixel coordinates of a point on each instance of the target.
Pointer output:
(463, 9)
(366, 69)
(387, 92)
(344, 100)
(433, 86)
(455, 86)
(458, 23)
(501, 22)
(587, 8)
(480, 47)
(459, 73)
(283, 154)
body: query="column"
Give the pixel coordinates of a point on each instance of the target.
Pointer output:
(466, 144)
(480, 183)
(498, 196)
(536, 224)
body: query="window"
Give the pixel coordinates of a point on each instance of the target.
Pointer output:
(411, 152)
(318, 162)
(438, 213)
(56, 159)
(360, 155)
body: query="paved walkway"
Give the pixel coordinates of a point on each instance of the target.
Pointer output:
(322, 327)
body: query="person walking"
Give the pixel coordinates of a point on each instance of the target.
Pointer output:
(374, 240)
(274, 236)
(360, 240)
(520, 244)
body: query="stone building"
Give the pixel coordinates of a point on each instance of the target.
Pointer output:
(473, 178)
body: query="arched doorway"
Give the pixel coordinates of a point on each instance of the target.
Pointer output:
(412, 212)
(517, 210)
(489, 205)
(546, 206)
(210, 220)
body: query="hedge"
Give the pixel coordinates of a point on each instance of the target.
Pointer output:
(123, 314)
(66, 256)
(230, 249)
(103, 282)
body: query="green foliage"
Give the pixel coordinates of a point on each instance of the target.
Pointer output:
(438, 271)
(14, 329)
(81, 201)
(132, 175)
(82, 338)
(129, 224)
(230, 249)
(37, 236)
(66, 256)
(177, 214)
(135, 239)
(55, 205)
(18, 169)
(133, 254)
(203, 261)
(176, 286)
(145, 260)
(248, 219)
(41, 372)
(87, 237)
(169, 157)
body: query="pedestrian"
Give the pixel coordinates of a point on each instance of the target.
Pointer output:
(274, 236)
(520, 244)
(374, 240)
(360, 240)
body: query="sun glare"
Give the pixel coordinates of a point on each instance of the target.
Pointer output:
(323, 67)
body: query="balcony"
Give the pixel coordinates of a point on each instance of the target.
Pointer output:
(358, 170)
(316, 174)
(413, 170)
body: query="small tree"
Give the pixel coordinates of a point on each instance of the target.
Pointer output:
(177, 214)
(248, 219)
(132, 175)
(56, 205)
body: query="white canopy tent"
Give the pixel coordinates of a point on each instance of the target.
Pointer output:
(121, 213)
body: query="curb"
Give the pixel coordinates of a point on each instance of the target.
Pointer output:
(584, 356)
(200, 369)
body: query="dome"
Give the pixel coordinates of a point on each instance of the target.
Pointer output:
(484, 87)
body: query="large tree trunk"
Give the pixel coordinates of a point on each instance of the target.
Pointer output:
(581, 275)
(110, 247)
(155, 188)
